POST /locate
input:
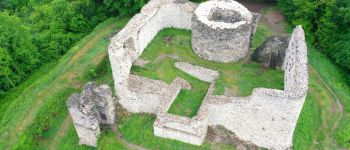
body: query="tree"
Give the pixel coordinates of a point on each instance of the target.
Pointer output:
(123, 7)
(5, 69)
(18, 55)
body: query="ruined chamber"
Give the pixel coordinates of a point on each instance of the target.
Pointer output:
(222, 31)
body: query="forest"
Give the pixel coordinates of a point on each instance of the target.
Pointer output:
(327, 25)
(34, 32)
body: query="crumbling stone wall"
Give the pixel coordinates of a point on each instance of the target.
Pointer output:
(94, 106)
(201, 73)
(267, 118)
(130, 42)
(147, 95)
(222, 31)
(295, 65)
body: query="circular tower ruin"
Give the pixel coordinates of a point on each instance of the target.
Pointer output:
(222, 30)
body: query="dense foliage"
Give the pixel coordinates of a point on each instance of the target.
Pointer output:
(33, 32)
(327, 25)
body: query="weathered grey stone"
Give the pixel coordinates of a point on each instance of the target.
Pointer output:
(140, 62)
(222, 31)
(256, 18)
(272, 52)
(219, 134)
(94, 106)
(266, 118)
(201, 73)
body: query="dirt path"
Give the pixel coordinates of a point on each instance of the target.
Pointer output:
(332, 108)
(68, 121)
(273, 19)
(335, 110)
(27, 118)
(64, 127)
(339, 108)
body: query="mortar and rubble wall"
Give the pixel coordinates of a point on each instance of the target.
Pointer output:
(267, 118)
(130, 42)
(222, 31)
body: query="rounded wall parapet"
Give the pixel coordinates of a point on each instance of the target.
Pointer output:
(222, 31)
(208, 11)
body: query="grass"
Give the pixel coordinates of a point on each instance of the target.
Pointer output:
(188, 101)
(23, 125)
(46, 123)
(317, 127)
(7, 100)
(138, 129)
(305, 128)
(262, 33)
(239, 79)
(322, 124)
(70, 140)
(336, 82)
(343, 132)
(107, 141)
(69, 72)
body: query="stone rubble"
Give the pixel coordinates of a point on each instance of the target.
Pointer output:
(140, 62)
(272, 52)
(94, 106)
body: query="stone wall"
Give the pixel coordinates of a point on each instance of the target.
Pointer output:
(222, 31)
(130, 42)
(201, 73)
(94, 106)
(267, 118)
(295, 65)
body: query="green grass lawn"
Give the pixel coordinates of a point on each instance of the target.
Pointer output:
(107, 141)
(238, 79)
(138, 129)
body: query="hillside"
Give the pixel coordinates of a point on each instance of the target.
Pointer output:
(34, 115)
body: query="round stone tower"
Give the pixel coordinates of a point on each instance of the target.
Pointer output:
(222, 30)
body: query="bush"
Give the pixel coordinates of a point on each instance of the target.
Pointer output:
(326, 24)
(100, 69)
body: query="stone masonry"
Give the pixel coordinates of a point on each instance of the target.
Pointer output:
(266, 119)
(94, 106)
(199, 72)
(222, 31)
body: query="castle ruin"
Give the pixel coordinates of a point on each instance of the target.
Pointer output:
(222, 31)
(267, 118)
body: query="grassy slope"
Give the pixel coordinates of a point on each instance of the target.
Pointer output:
(69, 72)
(325, 118)
(315, 124)
(322, 119)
